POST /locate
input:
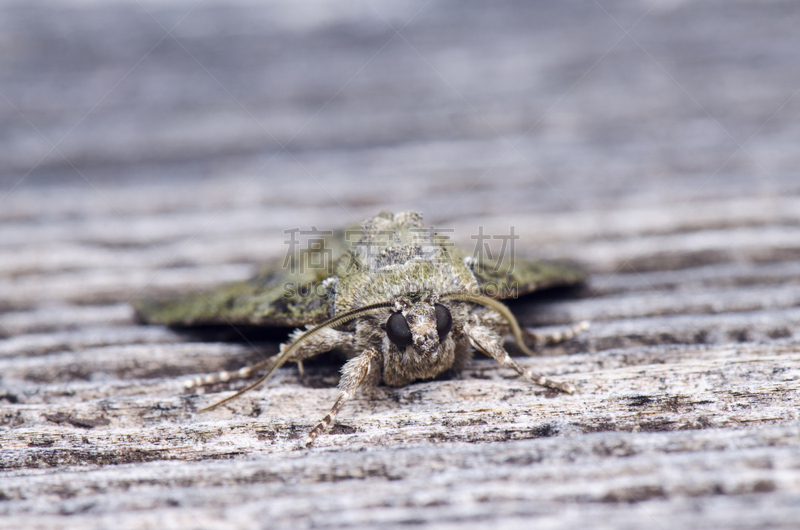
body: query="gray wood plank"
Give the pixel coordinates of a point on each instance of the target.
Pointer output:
(663, 160)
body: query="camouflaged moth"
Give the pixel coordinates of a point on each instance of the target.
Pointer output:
(402, 302)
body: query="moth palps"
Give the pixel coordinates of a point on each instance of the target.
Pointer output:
(401, 301)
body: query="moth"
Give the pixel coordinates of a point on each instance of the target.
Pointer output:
(401, 301)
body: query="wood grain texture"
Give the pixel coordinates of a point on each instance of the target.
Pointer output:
(664, 160)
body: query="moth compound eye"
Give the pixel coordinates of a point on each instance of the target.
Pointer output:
(398, 331)
(444, 321)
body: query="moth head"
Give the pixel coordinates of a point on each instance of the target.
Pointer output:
(423, 326)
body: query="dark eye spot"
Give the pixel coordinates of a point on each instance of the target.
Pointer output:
(444, 321)
(398, 331)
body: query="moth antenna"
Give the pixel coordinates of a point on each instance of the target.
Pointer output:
(283, 356)
(497, 306)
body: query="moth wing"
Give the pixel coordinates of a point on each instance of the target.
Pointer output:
(512, 279)
(285, 293)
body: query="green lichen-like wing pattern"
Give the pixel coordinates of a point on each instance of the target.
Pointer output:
(510, 280)
(290, 293)
(263, 300)
(284, 293)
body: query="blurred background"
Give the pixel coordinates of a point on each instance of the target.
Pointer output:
(150, 145)
(156, 121)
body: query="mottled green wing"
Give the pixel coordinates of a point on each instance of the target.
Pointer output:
(252, 302)
(284, 293)
(510, 280)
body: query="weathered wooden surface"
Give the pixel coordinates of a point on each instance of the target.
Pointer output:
(665, 160)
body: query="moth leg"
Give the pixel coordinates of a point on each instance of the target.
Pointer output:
(487, 341)
(540, 339)
(536, 339)
(324, 341)
(358, 369)
(226, 376)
